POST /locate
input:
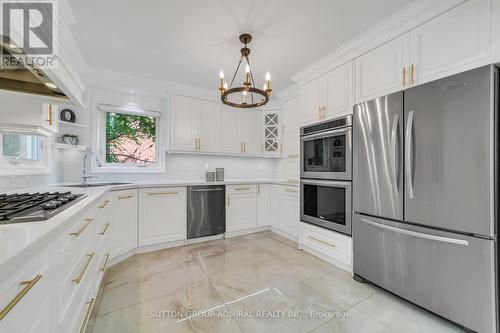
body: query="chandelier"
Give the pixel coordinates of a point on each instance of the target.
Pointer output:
(248, 95)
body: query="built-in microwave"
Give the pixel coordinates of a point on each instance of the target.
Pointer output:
(326, 150)
(326, 204)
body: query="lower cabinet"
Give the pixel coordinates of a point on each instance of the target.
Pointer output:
(287, 206)
(124, 220)
(162, 215)
(241, 207)
(263, 205)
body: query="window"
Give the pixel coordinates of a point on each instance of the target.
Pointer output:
(130, 138)
(22, 153)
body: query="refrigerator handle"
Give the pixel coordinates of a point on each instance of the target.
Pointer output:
(395, 154)
(409, 154)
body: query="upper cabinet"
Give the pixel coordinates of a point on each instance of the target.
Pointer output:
(271, 133)
(249, 131)
(240, 131)
(328, 96)
(453, 42)
(195, 124)
(291, 116)
(382, 70)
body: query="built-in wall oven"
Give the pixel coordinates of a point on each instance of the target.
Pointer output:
(327, 204)
(326, 173)
(326, 150)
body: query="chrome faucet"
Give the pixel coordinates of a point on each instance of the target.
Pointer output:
(89, 154)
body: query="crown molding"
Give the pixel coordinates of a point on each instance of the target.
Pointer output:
(289, 93)
(397, 24)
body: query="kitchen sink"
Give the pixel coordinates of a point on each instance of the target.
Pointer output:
(95, 184)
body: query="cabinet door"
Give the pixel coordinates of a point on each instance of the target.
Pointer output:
(250, 132)
(231, 142)
(292, 146)
(309, 102)
(263, 212)
(339, 96)
(380, 71)
(291, 116)
(50, 117)
(183, 110)
(162, 215)
(124, 215)
(271, 133)
(290, 208)
(241, 211)
(291, 168)
(451, 42)
(208, 129)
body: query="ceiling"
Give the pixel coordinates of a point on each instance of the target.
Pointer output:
(189, 41)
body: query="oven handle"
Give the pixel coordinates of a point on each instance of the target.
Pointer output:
(326, 183)
(326, 134)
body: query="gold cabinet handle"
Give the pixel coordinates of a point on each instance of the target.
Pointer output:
(50, 115)
(199, 143)
(103, 268)
(162, 193)
(292, 191)
(293, 181)
(242, 189)
(90, 305)
(27, 287)
(85, 268)
(106, 226)
(125, 197)
(84, 226)
(228, 201)
(104, 204)
(403, 76)
(293, 156)
(322, 241)
(412, 74)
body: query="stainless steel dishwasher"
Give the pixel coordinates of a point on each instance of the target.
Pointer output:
(206, 211)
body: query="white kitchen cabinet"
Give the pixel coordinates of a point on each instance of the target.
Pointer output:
(291, 117)
(290, 210)
(195, 124)
(249, 131)
(382, 70)
(336, 94)
(240, 131)
(292, 146)
(271, 133)
(231, 142)
(241, 208)
(263, 205)
(124, 221)
(291, 168)
(162, 215)
(452, 42)
(328, 96)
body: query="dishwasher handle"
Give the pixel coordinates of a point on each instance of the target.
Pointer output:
(207, 189)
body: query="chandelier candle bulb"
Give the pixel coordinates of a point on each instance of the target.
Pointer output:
(247, 72)
(222, 84)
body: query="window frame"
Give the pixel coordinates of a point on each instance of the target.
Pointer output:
(99, 140)
(25, 166)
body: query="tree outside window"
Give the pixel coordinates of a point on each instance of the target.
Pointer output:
(130, 138)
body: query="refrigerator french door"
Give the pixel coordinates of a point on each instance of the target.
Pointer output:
(424, 195)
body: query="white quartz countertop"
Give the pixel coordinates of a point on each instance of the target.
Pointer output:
(20, 242)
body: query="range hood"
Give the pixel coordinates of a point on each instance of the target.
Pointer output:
(26, 79)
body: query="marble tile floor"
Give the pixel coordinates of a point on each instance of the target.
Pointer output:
(258, 282)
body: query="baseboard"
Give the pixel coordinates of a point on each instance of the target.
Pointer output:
(326, 258)
(144, 249)
(246, 231)
(285, 234)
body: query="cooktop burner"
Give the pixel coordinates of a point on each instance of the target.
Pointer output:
(27, 207)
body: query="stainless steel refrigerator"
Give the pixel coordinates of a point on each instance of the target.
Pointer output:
(425, 195)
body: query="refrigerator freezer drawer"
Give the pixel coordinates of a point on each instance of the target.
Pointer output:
(449, 274)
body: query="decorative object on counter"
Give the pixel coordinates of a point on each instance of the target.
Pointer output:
(251, 96)
(210, 176)
(219, 174)
(69, 139)
(67, 115)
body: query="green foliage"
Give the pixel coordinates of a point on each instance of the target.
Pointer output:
(120, 125)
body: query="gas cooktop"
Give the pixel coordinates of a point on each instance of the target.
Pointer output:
(29, 207)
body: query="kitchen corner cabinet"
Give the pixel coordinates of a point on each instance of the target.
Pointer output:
(453, 42)
(271, 133)
(328, 96)
(124, 221)
(240, 131)
(195, 124)
(241, 207)
(263, 208)
(162, 215)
